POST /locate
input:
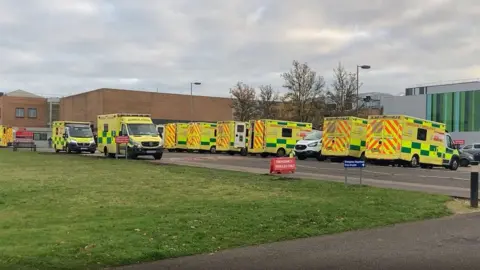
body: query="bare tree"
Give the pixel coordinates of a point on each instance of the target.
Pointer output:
(268, 102)
(244, 103)
(343, 92)
(305, 97)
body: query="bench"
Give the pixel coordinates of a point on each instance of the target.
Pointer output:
(25, 144)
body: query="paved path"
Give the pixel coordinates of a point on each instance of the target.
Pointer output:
(449, 243)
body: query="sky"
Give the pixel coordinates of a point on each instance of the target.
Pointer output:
(62, 47)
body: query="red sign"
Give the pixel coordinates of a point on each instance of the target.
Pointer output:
(24, 134)
(459, 142)
(121, 139)
(283, 165)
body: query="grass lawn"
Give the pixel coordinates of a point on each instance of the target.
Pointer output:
(66, 211)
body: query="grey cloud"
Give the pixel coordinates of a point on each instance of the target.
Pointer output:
(62, 47)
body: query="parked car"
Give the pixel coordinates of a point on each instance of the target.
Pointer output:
(473, 149)
(310, 146)
(465, 158)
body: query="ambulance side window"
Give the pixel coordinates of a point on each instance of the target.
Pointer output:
(450, 142)
(215, 133)
(105, 127)
(124, 130)
(421, 134)
(286, 132)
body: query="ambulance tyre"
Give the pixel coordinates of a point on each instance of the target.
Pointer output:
(414, 161)
(319, 157)
(213, 150)
(243, 152)
(454, 164)
(281, 152)
(69, 151)
(158, 156)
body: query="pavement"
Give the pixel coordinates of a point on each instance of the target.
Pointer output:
(437, 181)
(448, 243)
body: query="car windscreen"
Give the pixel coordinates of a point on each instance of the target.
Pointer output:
(142, 129)
(79, 131)
(313, 136)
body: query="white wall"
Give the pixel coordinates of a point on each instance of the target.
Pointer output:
(458, 87)
(415, 106)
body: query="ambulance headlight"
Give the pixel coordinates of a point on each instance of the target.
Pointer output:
(313, 144)
(92, 141)
(73, 141)
(134, 143)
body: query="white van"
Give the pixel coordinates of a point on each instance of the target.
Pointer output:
(310, 146)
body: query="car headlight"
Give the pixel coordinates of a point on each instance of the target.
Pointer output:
(73, 141)
(313, 144)
(92, 141)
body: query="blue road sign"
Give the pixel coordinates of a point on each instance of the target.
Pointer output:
(354, 164)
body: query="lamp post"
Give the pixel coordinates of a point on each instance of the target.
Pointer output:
(191, 98)
(358, 69)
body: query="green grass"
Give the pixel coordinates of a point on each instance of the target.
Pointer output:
(66, 211)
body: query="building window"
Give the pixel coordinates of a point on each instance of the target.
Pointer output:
(40, 136)
(32, 112)
(286, 132)
(422, 134)
(20, 112)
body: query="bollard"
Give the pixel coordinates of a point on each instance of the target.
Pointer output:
(474, 185)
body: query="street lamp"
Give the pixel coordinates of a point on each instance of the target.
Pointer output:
(358, 69)
(191, 98)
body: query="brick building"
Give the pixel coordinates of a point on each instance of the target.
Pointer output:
(162, 106)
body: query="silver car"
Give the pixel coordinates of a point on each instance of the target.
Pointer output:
(473, 149)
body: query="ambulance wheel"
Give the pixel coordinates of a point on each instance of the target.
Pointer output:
(414, 162)
(281, 152)
(243, 151)
(454, 164)
(264, 155)
(92, 152)
(158, 156)
(69, 151)
(213, 150)
(319, 157)
(302, 157)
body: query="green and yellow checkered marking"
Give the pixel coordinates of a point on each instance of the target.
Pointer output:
(107, 137)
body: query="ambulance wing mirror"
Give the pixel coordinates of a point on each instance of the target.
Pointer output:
(120, 133)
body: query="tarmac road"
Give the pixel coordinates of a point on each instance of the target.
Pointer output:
(438, 180)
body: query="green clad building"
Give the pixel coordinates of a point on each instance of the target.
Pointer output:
(456, 104)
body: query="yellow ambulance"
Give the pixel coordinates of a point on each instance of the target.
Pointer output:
(232, 137)
(344, 137)
(202, 137)
(71, 136)
(409, 141)
(6, 136)
(275, 137)
(176, 137)
(143, 137)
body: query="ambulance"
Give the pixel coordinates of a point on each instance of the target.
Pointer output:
(202, 137)
(161, 131)
(409, 141)
(344, 137)
(232, 137)
(176, 137)
(6, 136)
(275, 137)
(143, 137)
(71, 136)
